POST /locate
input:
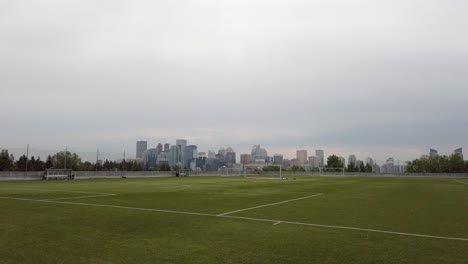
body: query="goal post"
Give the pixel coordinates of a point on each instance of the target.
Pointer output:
(271, 172)
(331, 171)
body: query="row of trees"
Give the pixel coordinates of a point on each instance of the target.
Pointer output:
(60, 160)
(438, 164)
(334, 161)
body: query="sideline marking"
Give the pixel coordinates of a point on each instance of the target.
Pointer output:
(77, 197)
(460, 181)
(260, 206)
(277, 223)
(244, 218)
(52, 190)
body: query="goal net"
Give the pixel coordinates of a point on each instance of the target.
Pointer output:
(271, 172)
(331, 171)
(230, 172)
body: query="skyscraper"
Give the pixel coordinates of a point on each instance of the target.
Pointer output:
(314, 161)
(166, 147)
(245, 159)
(231, 157)
(459, 151)
(342, 160)
(141, 146)
(259, 153)
(321, 156)
(301, 156)
(190, 154)
(159, 149)
(181, 144)
(278, 159)
(433, 153)
(352, 160)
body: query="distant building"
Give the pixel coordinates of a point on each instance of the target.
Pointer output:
(174, 155)
(278, 159)
(314, 161)
(190, 153)
(342, 160)
(245, 159)
(321, 157)
(202, 154)
(159, 149)
(370, 161)
(352, 160)
(286, 163)
(211, 154)
(389, 167)
(141, 146)
(359, 163)
(149, 158)
(166, 147)
(231, 157)
(259, 153)
(181, 144)
(459, 151)
(301, 156)
(433, 153)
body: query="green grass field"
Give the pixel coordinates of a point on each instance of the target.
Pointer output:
(235, 220)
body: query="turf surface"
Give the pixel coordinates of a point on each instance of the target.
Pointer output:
(48, 222)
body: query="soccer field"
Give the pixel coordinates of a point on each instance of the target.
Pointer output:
(235, 220)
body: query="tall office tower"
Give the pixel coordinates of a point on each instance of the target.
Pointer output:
(211, 154)
(181, 144)
(173, 156)
(141, 146)
(159, 149)
(190, 154)
(352, 160)
(370, 161)
(459, 151)
(342, 160)
(231, 157)
(245, 159)
(149, 158)
(278, 159)
(433, 153)
(259, 153)
(314, 161)
(321, 156)
(166, 147)
(301, 156)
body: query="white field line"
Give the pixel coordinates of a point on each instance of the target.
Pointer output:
(242, 218)
(265, 205)
(277, 223)
(77, 197)
(52, 190)
(460, 181)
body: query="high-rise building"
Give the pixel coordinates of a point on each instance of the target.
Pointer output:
(459, 151)
(370, 161)
(301, 156)
(141, 146)
(433, 153)
(259, 153)
(245, 159)
(166, 147)
(314, 161)
(321, 156)
(278, 159)
(190, 153)
(159, 149)
(149, 158)
(211, 154)
(231, 157)
(173, 155)
(181, 144)
(352, 160)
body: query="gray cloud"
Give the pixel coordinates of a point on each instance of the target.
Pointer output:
(380, 78)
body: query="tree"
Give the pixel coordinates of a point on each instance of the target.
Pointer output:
(368, 168)
(350, 167)
(164, 166)
(362, 168)
(271, 168)
(456, 163)
(62, 159)
(21, 163)
(6, 161)
(334, 162)
(49, 162)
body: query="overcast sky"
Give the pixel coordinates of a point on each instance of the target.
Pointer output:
(373, 78)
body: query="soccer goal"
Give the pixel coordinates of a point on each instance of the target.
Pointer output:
(273, 172)
(331, 171)
(230, 172)
(58, 174)
(182, 173)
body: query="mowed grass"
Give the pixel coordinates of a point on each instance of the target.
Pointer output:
(117, 229)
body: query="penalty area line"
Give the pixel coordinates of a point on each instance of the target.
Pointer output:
(460, 181)
(265, 205)
(241, 218)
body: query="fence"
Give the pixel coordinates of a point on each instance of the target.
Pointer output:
(37, 175)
